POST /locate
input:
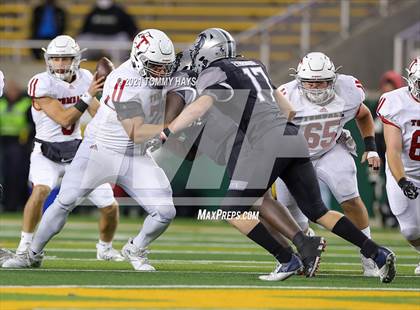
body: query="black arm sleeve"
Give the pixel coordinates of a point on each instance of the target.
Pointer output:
(129, 109)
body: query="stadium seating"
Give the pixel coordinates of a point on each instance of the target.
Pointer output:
(183, 19)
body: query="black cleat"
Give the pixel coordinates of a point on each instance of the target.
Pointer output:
(310, 252)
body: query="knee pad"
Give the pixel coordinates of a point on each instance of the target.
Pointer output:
(411, 233)
(164, 214)
(65, 204)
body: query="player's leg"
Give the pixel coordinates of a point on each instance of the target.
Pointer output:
(284, 197)
(83, 175)
(301, 180)
(44, 175)
(147, 183)
(406, 211)
(288, 263)
(252, 176)
(103, 198)
(341, 179)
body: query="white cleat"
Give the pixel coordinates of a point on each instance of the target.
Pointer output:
(417, 270)
(369, 267)
(285, 270)
(24, 260)
(108, 253)
(137, 257)
(5, 254)
(310, 232)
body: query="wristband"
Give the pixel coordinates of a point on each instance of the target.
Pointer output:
(81, 106)
(167, 132)
(370, 144)
(86, 97)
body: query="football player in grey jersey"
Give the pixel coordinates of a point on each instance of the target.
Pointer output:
(214, 136)
(242, 90)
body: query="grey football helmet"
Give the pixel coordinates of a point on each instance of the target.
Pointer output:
(212, 44)
(183, 60)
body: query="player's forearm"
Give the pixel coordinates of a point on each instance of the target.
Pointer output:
(365, 123)
(395, 164)
(68, 117)
(191, 113)
(93, 107)
(145, 132)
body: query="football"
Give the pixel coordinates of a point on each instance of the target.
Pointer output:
(104, 67)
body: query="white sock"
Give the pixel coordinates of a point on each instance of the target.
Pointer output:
(25, 240)
(105, 244)
(366, 231)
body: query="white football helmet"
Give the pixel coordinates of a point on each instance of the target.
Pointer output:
(413, 78)
(63, 46)
(210, 45)
(316, 67)
(151, 52)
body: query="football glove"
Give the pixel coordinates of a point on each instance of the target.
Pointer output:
(408, 188)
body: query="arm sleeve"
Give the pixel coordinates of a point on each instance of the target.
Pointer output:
(129, 109)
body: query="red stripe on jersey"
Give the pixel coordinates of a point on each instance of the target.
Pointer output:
(106, 103)
(115, 89)
(30, 87)
(121, 90)
(380, 103)
(385, 121)
(33, 91)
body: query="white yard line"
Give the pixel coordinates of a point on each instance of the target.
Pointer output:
(215, 252)
(218, 286)
(205, 262)
(192, 271)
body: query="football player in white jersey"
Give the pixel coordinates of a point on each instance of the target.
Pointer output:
(112, 152)
(324, 102)
(56, 111)
(399, 111)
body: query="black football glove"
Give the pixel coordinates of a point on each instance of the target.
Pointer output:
(408, 188)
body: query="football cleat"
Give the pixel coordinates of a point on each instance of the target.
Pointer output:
(24, 260)
(310, 254)
(108, 253)
(369, 267)
(417, 270)
(137, 257)
(285, 270)
(310, 232)
(385, 261)
(5, 255)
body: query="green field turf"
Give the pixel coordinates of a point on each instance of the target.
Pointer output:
(201, 264)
